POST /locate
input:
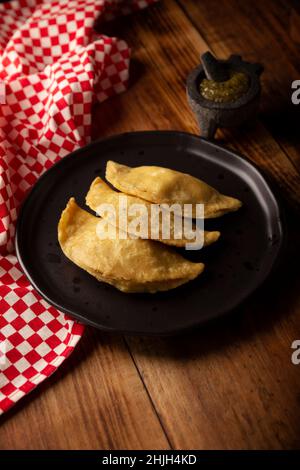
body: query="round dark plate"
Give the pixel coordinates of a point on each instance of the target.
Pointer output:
(251, 239)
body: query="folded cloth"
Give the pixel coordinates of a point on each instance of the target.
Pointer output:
(53, 66)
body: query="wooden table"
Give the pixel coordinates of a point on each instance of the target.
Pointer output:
(231, 384)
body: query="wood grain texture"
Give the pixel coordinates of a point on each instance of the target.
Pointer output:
(230, 384)
(95, 400)
(158, 99)
(261, 34)
(241, 381)
(295, 22)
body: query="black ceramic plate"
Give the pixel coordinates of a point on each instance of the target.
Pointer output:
(236, 265)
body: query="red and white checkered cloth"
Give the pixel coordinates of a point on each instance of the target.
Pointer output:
(53, 66)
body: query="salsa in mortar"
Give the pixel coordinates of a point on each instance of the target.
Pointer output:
(225, 92)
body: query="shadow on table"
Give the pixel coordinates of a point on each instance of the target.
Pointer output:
(272, 303)
(110, 117)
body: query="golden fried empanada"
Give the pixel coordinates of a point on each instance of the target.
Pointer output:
(131, 265)
(100, 193)
(162, 185)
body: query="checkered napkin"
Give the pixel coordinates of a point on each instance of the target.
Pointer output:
(53, 66)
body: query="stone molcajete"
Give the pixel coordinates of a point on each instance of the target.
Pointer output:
(223, 93)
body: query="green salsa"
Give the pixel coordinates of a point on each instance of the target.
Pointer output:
(225, 92)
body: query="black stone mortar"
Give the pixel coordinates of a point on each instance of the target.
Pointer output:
(211, 115)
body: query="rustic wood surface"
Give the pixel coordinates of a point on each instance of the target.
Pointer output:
(230, 385)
